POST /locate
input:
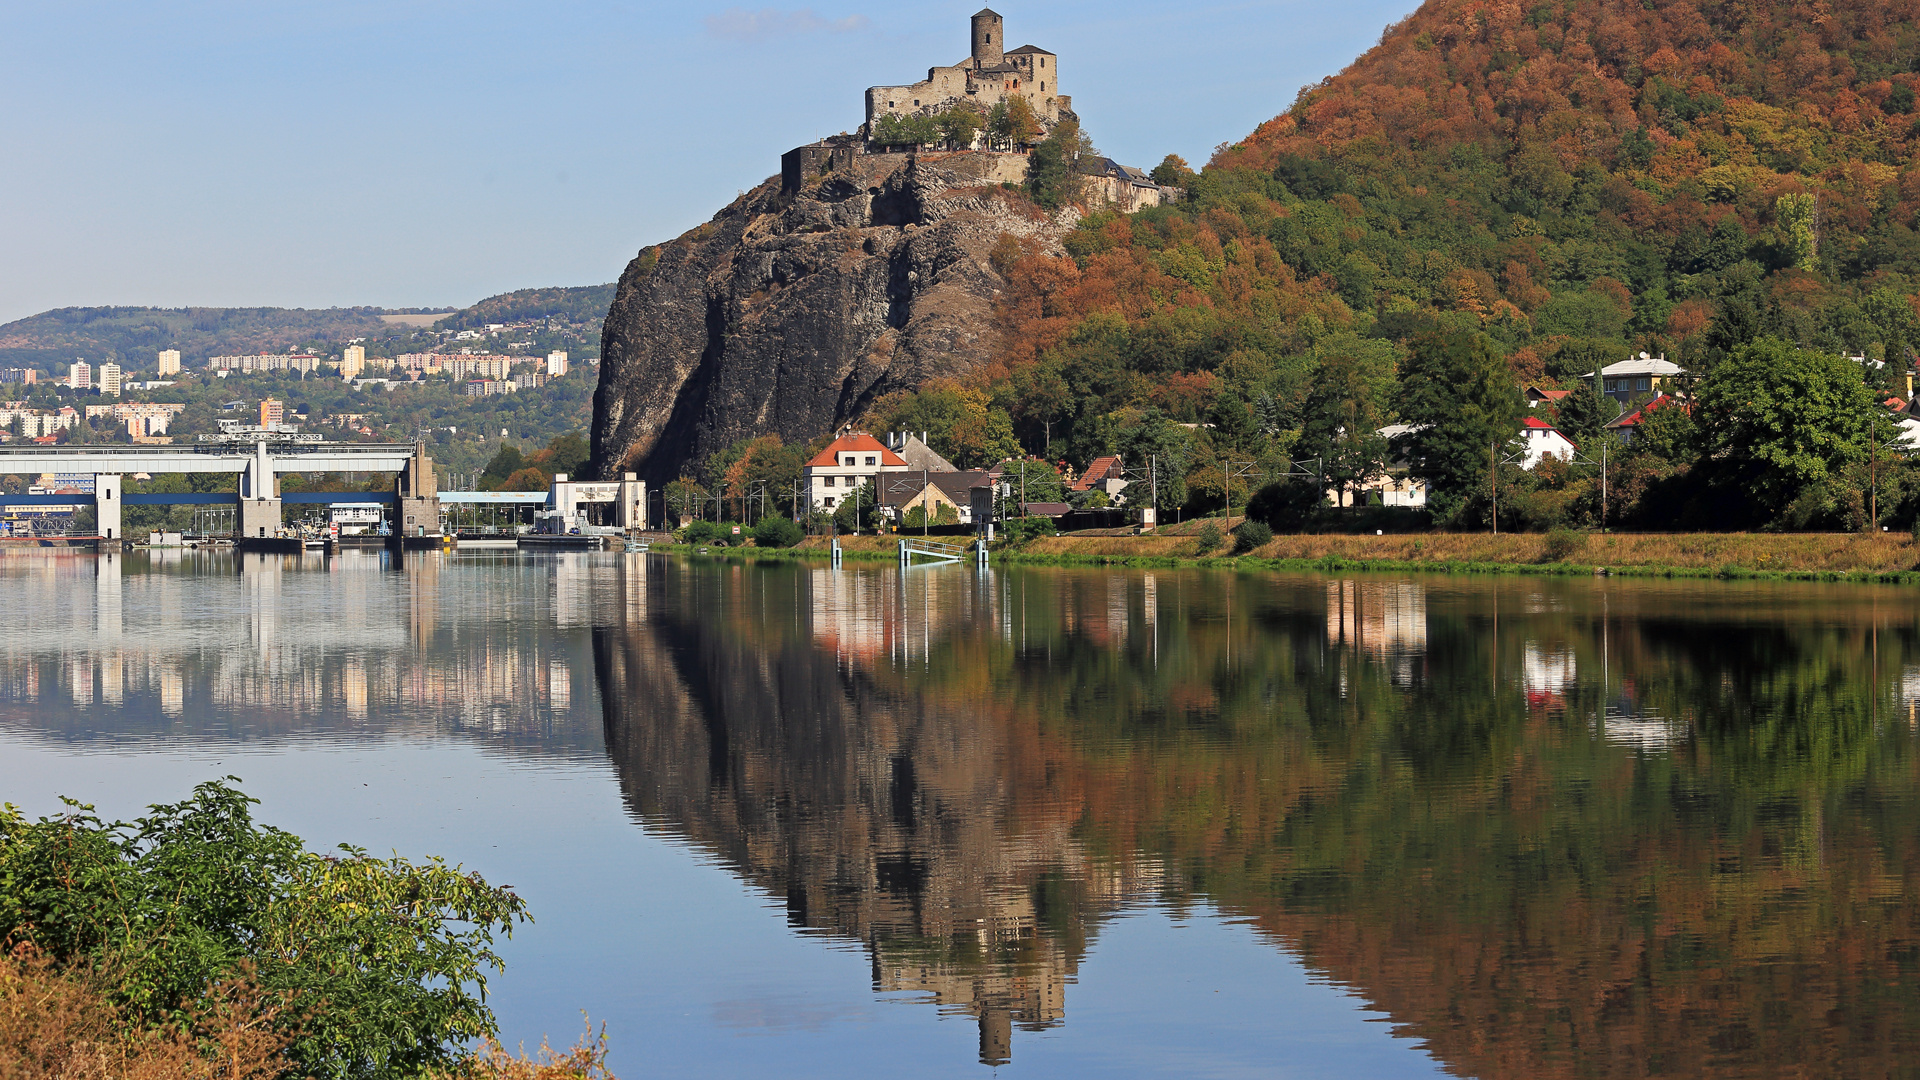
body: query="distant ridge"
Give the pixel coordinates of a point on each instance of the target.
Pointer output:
(54, 338)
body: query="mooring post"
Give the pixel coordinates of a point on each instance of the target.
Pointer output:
(836, 553)
(903, 553)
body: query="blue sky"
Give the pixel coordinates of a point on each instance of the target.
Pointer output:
(432, 152)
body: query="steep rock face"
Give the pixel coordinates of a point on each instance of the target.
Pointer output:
(790, 312)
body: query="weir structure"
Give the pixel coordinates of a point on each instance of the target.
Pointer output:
(259, 455)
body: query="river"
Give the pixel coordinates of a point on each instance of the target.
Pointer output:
(946, 822)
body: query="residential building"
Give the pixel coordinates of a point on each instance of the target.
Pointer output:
(531, 380)
(144, 419)
(1543, 441)
(1628, 426)
(557, 362)
(110, 376)
(272, 412)
(934, 492)
(24, 375)
(1642, 375)
(490, 387)
(1397, 486)
(1537, 397)
(169, 362)
(1106, 474)
(353, 360)
(247, 365)
(80, 375)
(839, 470)
(916, 453)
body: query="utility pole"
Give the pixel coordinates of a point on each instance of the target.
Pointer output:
(1493, 478)
(1873, 470)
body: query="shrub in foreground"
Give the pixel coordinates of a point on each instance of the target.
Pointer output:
(1249, 535)
(367, 967)
(776, 532)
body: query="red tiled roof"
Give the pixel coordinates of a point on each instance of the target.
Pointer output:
(1633, 418)
(1536, 422)
(857, 443)
(1101, 468)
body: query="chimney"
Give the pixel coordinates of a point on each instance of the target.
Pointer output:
(1909, 386)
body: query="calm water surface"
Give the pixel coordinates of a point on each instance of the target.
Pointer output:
(827, 823)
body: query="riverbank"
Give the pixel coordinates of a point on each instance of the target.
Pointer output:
(1800, 556)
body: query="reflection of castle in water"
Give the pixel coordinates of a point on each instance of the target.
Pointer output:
(780, 739)
(253, 644)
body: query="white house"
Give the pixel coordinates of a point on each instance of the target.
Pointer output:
(851, 460)
(1544, 441)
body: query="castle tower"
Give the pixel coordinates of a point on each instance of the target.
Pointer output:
(989, 44)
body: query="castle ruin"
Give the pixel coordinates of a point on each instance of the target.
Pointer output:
(988, 76)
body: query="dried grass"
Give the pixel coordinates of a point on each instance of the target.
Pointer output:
(57, 1025)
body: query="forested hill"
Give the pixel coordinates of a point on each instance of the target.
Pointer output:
(1556, 187)
(52, 339)
(581, 304)
(1617, 170)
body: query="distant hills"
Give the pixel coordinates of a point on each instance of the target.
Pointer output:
(54, 338)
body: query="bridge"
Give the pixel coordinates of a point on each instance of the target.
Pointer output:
(257, 456)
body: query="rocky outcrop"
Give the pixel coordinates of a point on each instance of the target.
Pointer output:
(791, 311)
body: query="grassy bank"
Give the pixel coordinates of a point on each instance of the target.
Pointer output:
(1811, 556)
(1806, 556)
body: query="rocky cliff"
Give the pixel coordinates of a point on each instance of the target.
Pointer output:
(794, 308)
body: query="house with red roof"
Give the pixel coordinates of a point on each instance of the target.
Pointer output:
(1537, 397)
(1544, 441)
(1106, 474)
(839, 470)
(1628, 425)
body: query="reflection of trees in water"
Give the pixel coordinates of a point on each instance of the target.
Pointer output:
(1423, 790)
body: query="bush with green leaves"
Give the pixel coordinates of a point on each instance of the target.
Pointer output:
(1020, 530)
(1249, 535)
(776, 532)
(1207, 540)
(381, 963)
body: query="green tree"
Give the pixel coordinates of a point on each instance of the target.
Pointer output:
(1340, 425)
(1793, 228)
(1584, 413)
(1458, 394)
(958, 128)
(381, 962)
(1783, 418)
(1011, 122)
(1173, 171)
(1157, 448)
(504, 463)
(1055, 167)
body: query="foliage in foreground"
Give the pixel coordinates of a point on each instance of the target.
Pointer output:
(365, 967)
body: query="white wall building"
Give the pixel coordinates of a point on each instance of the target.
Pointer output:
(80, 375)
(850, 461)
(557, 362)
(169, 362)
(1544, 441)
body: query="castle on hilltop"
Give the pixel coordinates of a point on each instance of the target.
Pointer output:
(984, 79)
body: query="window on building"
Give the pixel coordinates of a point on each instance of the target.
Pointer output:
(828, 500)
(850, 461)
(873, 461)
(828, 482)
(1642, 383)
(916, 103)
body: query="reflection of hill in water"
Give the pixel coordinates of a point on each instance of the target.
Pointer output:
(1430, 794)
(215, 646)
(938, 839)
